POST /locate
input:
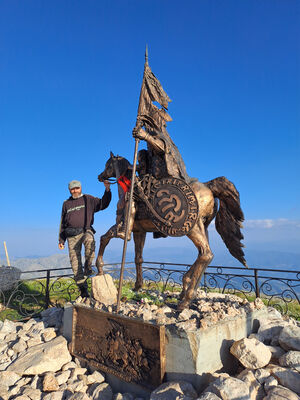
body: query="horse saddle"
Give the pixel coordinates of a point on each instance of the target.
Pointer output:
(171, 204)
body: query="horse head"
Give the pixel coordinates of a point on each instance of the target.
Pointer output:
(115, 166)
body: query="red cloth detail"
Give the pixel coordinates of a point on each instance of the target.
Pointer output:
(124, 183)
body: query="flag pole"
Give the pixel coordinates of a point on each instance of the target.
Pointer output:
(127, 223)
(130, 197)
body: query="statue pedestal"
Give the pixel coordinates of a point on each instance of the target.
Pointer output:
(192, 355)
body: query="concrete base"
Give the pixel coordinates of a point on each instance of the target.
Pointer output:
(191, 356)
(68, 322)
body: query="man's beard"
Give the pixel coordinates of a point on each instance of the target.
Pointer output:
(76, 195)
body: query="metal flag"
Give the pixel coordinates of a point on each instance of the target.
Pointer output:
(149, 115)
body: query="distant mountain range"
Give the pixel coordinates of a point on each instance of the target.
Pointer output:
(34, 267)
(255, 259)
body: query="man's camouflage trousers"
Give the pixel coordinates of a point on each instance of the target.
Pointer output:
(75, 245)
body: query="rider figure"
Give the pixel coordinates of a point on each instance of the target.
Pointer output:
(165, 159)
(161, 159)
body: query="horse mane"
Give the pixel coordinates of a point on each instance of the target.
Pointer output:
(125, 168)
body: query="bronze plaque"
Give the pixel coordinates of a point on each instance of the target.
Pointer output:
(132, 350)
(176, 204)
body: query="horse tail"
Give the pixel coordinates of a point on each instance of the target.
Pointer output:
(229, 217)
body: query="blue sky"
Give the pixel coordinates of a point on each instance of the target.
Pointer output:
(70, 76)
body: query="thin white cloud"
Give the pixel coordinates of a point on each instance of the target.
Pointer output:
(266, 224)
(271, 223)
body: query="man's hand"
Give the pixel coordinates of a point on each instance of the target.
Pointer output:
(61, 246)
(139, 133)
(107, 186)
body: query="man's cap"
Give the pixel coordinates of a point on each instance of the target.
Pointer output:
(74, 184)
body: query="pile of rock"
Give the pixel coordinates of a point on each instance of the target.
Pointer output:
(269, 367)
(271, 359)
(205, 310)
(35, 362)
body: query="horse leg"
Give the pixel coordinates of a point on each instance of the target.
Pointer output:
(139, 242)
(104, 240)
(191, 279)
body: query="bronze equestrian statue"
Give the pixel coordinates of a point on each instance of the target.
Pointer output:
(167, 201)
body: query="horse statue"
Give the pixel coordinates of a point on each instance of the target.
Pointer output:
(217, 199)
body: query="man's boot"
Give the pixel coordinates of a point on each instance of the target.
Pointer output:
(83, 291)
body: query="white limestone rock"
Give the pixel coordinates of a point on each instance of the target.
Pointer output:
(3, 347)
(36, 329)
(286, 377)
(255, 389)
(270, 383)
(82, 396)
(22, 335)
(104, 289)
(124, 396)
(20, 346)
(281, 393)
(147, 315)
(75, 386)
(174, 390)
(276, 352)
(261, 375)
(28, 324)
(289, 338)
(8, 326)
(37, 382)
(45, 357)
(95, 377)
(102, 391)
(53, 316)
(230, 389)
(58, 395)
(24, 381)
(209, 396)
(185, 314)
(291, 359)
(4, 365)
(33, 394)
(270, 329)
(251, 353)
(48, 334)
(62, 377)
(50, 383)
(190, 325)
(13, 391)
(77, 371)
(118, 396)
(4, 392)
(8, 378)
(11, 338)
(69, 365)
(34, 341)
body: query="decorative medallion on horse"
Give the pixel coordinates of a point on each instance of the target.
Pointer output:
(171, 202)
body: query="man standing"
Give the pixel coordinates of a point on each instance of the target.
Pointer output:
(77, 218)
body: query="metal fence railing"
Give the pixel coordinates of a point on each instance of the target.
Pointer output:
(40, 289)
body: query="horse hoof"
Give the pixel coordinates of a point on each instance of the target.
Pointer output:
(137, 287)
(181, 296)
(183, 305)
